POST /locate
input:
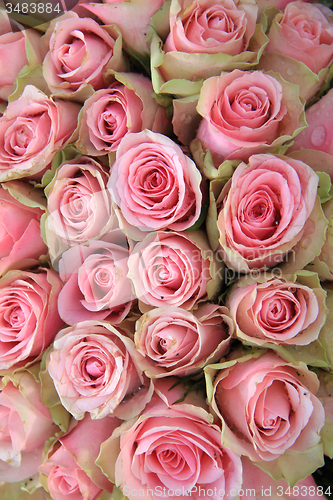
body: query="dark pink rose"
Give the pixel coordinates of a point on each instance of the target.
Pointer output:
(96, 283)
(25, 426)
(127, 106)
(69, 470)
(79, 53)
(247, 112)
(173, 269)
(272, 309)
(173, 341)
(155, 184)
(29, 318)
(94, 370)
(265, 209)
(32, 129)
(268, 406)
(172, 451)
(21, 242)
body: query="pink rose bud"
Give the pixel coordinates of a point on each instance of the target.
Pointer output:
(25, 426)
(93, 368)
(29, 318)
(32, 129)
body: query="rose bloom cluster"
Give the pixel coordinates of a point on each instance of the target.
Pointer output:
(166, 255)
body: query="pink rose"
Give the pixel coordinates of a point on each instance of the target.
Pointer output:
(268, 406)
(271, 309)
(155, 185)
(265, 209)
(21, 242)
(127, 106)
(32, 129)
(246, 113)
(173, 269)
(69, 470)
(14, 41)
(303, 32)
(29, 318)
(79, 53)
(172, 451)
(93, 368)
(79, 205)
(173, 341)
(25, 426)
(96, 283)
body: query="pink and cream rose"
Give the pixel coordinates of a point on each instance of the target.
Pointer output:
(266, 205)
(96, 284)
(268, 406)
(173, 341)
(247, 112)
(21, 242)
(25, 426)
(173, 269)
(155, 184)
(69, 470)
(94, 371)
(79, 52)
(29, 318)
(172, 450)
(278, 310)
(126, 106)
(32, 129)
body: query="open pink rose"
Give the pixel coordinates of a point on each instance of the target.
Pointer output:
(93, 368)
(32, 129)
(79, 53)
(173, 341)
(126, 106)
(69, 470)
(268, 406)
(96, 283)
(25, 426)
(172, 451)
(272, 309)
(247, 112)
(79, 205)
(155, 185)
(29, 318)
(265, 209)
(303, 32)
(172, 269)
(21, 242)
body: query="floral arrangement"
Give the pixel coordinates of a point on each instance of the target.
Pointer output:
(166, 256)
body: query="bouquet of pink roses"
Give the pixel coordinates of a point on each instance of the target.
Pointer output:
(166, 251)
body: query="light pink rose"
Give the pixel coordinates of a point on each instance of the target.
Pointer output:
(93, 368)
(96, 283)
(173, 341)
(211, 27)
(272, 309)
(172, 450)
(265, 209)
(268, 406)
(29, 318)
(21, 242)
(247, 112)
(303, 32)
(79, 205)
(172, 269)
(155, 185)
(79, 53)
(69, 470)
(32, 129)
(25, 426)
(127, 106)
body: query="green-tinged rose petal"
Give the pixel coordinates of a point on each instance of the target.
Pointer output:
(325, 394)
(204, 161)
(26, 194)
(325, 191)
(13, 491)
(29, 75)
(326, 337)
